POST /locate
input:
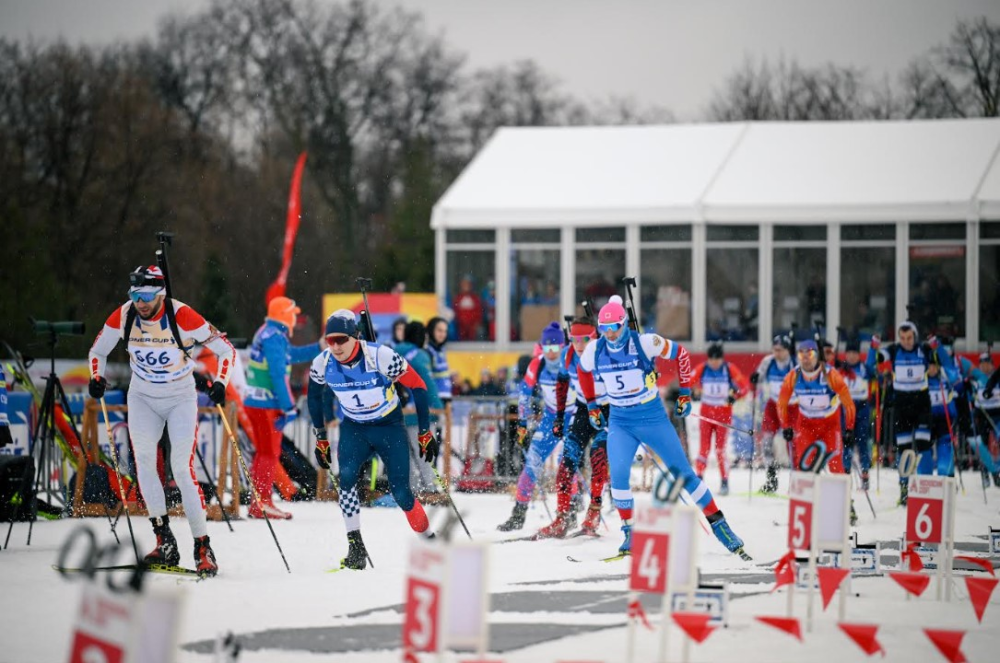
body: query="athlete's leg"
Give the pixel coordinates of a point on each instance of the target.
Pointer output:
(182, 425)
(663, 441)
(704, 447)
(352, 452)
(831, 438)
(720, 448)
(622, 445)
(391, 443)
(265, 459)
(145, 427)
(542, 444)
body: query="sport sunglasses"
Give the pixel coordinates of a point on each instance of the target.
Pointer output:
(554, 347)
(147, 297)
(337, 340)
(606, 327)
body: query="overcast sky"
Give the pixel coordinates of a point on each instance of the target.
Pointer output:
(667, 53)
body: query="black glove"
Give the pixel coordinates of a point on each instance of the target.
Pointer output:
(5, 436)
(557, 427)
(732, 397)
(97, 387)
(788, 433)
(201, 383)
(849, 437)
(754, 378)
(217, 392)
(429, 446)
(988, 394)
(322, 450)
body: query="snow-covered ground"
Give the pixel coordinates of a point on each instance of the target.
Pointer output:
(253, 592)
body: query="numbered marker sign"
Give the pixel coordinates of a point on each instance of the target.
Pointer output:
(650, 546)
(800, 510)
(103, 626)
(423, 599)
(925, 509)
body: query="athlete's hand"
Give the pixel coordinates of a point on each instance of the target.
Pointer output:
(201, 383)
(788, 433)
(97, 387)
(429, 446)
(217, 392)
(987, 394)
(287, 417)
(322, 450)
(5, 436)
(849, 438)
(754, 378)
(522, 433)
(933, 342)
(557, 427)
(876, 342)
(732, 397)
(683, 407)
(596, 415)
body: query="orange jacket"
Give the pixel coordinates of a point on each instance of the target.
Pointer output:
(836, 382)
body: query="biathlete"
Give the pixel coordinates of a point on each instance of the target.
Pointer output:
(941, 385)
(543, 376)
(578, 438)
(772, 372)
(719, 385)
(986, 417)
(859, 382)
(363, 377)
(158, 334)
(624, 360)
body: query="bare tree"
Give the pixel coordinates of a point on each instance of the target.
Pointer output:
(972, 57)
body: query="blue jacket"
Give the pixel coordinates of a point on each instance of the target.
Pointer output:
(420, 360)
(271, 359)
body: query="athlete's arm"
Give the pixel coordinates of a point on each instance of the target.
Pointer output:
(738, 381)
(562, 382)
(655, 345)
(699, 371)
(787, 386)
(411, 379)
(840, 387)
(191, 324)
(528, 388)
(991, 384)
(105, 342)
(317, 385)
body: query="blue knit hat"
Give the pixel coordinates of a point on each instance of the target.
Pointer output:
(342, 322)
(553, 334)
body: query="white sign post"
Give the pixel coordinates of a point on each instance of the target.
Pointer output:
(831, 531)
(423, 599)
(683, 569)
(994, 542)
(650, 561)
(801, 493)
(930, 518)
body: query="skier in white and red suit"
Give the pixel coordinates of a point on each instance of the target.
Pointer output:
(158, 334)
(720, 385)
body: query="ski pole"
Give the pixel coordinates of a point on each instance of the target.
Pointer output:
(753, 442)
(451, 502)
(121, 488)
(218, 497)
(253, 486)
(719, 423)
(856, 464)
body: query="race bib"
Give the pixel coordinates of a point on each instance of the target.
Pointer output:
(814, 402)
(624, 383)
(913, 374)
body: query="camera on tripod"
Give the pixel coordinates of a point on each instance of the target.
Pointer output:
(63, 328)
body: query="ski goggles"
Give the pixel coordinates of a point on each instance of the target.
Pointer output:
(145, 295)
(808, 354)
(554, 347)
(606, 327)
(580, 339)
(338, 339)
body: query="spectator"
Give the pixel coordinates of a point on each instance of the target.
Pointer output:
(488, 386)
(551, 295)
(468, 311)
(489, 304)
(398, 330)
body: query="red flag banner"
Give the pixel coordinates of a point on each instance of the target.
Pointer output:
(277, 289)
(949, 643)
(829, 581)
(986, 564)
(789, 625)
(916, 564)
(914, 583)
(863, 636)
(784, 571)
(635, 611)
(980, 590)
(695, 624)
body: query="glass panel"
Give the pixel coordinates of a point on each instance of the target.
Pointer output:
(868, 290)
(868, 232)
(732, 233)
(470, 236)
(534, 297)
(732, 305)
(937, 231)
(472, 293)
(599, 274)
(536, 235)
(989, 230)
(989, 293)
(665, 292)
(800, 233)
(799, 288)
(937, 289)
(665, 233)
(600, 235)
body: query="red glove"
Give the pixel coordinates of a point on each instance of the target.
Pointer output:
(876, 342)
(429, 446)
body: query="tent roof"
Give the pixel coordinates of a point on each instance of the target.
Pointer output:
(789, 172)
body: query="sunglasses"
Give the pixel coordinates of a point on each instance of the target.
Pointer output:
(808, 353)
(551, 348)
(580, 339)
(147, 297)
(606, 327)
(337, 340)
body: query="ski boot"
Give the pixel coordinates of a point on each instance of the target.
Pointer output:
(725, 534)
(996, 479)
(516, 520)
(592, 520)
(904, 490)
(724, 488)
(771, 482)
(357, 555)
(626, 547)
(166, 551)
(204, 557)
(864, 481)
(273, 512)
(854, 515)
(557, 529)
(985, 477)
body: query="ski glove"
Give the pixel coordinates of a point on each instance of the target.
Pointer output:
(788, 433)
(988, 394)
(596, 415)
(5, 436)
(217, 392)
(201, 383)
(97, 387)
(522, 433)
(732, 397)
(875, 342)
(557, 427)
(322, 450)
(754, 378)
(429, 446)
(933, 342)
(287, 417)
(683, 407)
(848, 438)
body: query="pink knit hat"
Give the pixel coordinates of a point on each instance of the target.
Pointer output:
(612, 312)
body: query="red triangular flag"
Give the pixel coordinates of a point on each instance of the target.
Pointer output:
(980, 590)
(695, 624)
(789, 625)
(863, 636)
(949, 643)
(986, 564)
(829, 581)
(784, 571)
(635, 611)
(916, 564)
(914, 583)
